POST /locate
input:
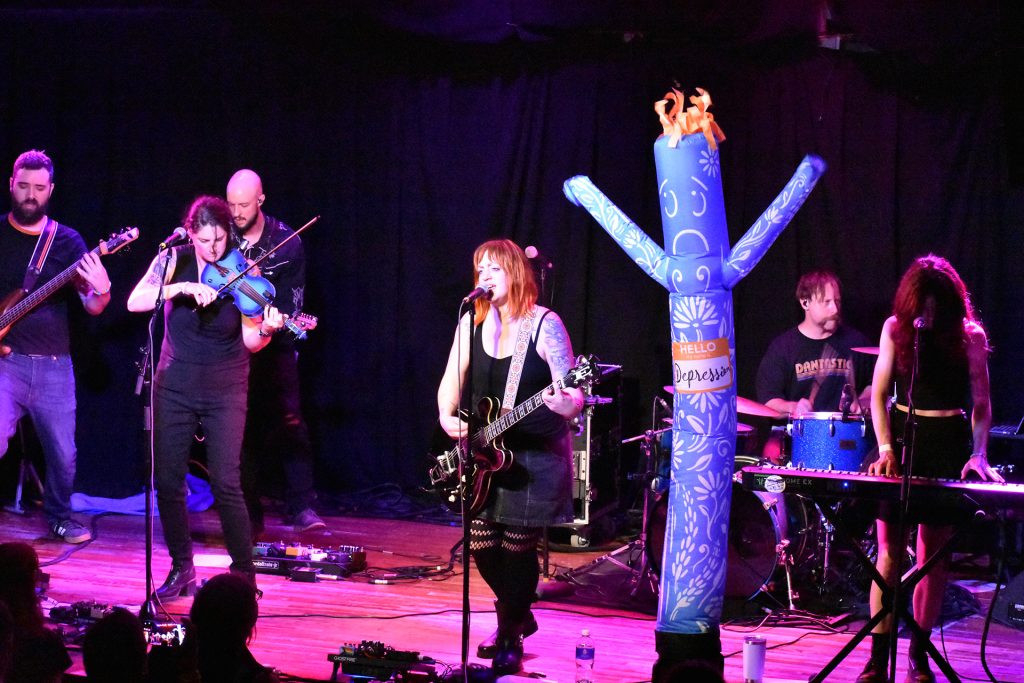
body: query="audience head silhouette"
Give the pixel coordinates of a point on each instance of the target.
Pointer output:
(114, 649)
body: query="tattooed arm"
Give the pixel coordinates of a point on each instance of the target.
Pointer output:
(554, 347)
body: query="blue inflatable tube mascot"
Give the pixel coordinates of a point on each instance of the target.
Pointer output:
(699, 270)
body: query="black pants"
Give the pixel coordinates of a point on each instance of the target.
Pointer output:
(177, 414)
(275, 431)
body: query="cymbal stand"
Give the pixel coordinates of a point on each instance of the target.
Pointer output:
(649, 477)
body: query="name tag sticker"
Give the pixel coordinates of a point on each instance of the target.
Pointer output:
(701, 366)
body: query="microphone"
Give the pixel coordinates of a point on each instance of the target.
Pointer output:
(177, 237)
(664, 405)
(480, 291)
(919, 323)
(534, 254)
(846, 400)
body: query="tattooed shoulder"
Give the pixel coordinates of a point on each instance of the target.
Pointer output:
(557, 344)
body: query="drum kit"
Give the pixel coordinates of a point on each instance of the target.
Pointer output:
(772, 537)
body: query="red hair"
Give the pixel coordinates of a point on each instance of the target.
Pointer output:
(522, 287)
(932, 277)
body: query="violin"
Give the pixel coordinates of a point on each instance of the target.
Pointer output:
(232, 276)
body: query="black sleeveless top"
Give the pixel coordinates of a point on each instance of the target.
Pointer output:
(941, 383)
(208, 340)
(540, 427)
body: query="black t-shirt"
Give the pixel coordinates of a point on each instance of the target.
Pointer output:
(794, 364)
(44, 330)
(201, 343)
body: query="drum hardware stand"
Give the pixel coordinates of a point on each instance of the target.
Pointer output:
(644, 575)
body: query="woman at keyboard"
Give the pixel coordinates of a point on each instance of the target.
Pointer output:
(933, 325)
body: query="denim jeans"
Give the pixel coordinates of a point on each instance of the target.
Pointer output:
(43, 387)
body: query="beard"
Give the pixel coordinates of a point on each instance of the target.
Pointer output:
(247, 226)
(27, 212)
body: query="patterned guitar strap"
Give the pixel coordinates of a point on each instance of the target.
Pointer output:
(515, 370)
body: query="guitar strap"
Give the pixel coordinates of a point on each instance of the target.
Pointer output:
(38, 260)
(515, 369)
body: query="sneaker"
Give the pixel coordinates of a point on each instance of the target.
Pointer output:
(307, 520)
(70, 531)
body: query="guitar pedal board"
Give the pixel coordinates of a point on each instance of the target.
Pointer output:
(283, 559)
(374, 660)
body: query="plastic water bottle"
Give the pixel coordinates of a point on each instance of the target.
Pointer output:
(585, 658)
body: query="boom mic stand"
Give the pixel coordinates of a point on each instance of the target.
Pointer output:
(144, 389)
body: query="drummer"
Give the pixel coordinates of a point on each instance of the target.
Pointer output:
(811, 367)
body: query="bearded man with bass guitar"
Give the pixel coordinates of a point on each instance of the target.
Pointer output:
(534, 489)
(36, 375)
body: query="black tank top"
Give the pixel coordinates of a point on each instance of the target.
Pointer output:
(942, 383)
(489, 378)
(209, 337)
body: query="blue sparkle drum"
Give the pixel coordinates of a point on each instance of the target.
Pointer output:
(830, 441)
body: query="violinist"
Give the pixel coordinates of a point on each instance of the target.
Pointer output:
(202, 376)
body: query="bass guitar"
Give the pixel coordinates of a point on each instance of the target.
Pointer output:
(487, 453)
(17, 304)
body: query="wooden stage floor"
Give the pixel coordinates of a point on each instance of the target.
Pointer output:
(300, 623)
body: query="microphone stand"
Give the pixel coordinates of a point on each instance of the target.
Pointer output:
(144, 389)
(466, 483)
(909, 434)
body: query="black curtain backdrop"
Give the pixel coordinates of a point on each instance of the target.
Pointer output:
(417, 134)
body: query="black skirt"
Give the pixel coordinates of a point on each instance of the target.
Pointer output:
(942, 446)
(536, 490)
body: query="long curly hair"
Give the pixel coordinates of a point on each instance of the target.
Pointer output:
(522, 286)
(932, 277)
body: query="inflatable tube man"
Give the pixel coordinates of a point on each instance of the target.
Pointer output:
(699, 270)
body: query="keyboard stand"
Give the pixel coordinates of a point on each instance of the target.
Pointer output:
(906, 586)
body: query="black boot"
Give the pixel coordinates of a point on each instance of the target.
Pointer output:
(919, 670)
(508, 657)
(489, 645)
(877, 668)
(180, 581)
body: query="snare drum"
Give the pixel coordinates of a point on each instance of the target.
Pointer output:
(830, 441)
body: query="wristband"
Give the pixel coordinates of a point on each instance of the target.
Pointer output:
(885, 448)
(259, 331)
(96, 292)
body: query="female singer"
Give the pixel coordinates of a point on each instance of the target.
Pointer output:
(202, 377)
(535, 492)
(932, 306)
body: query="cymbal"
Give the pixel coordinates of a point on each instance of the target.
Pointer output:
(747, 406)
(740, 427)
(872, 350)
(669, 388)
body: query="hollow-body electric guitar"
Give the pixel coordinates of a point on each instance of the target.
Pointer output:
(487, 453)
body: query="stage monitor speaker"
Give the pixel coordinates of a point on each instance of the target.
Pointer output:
(1009, 607)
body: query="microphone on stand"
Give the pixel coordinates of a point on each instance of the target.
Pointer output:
(177, 237)
(920, 323)
(480, 291)
(846, 400)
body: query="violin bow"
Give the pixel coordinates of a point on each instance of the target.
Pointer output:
(255, 263)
